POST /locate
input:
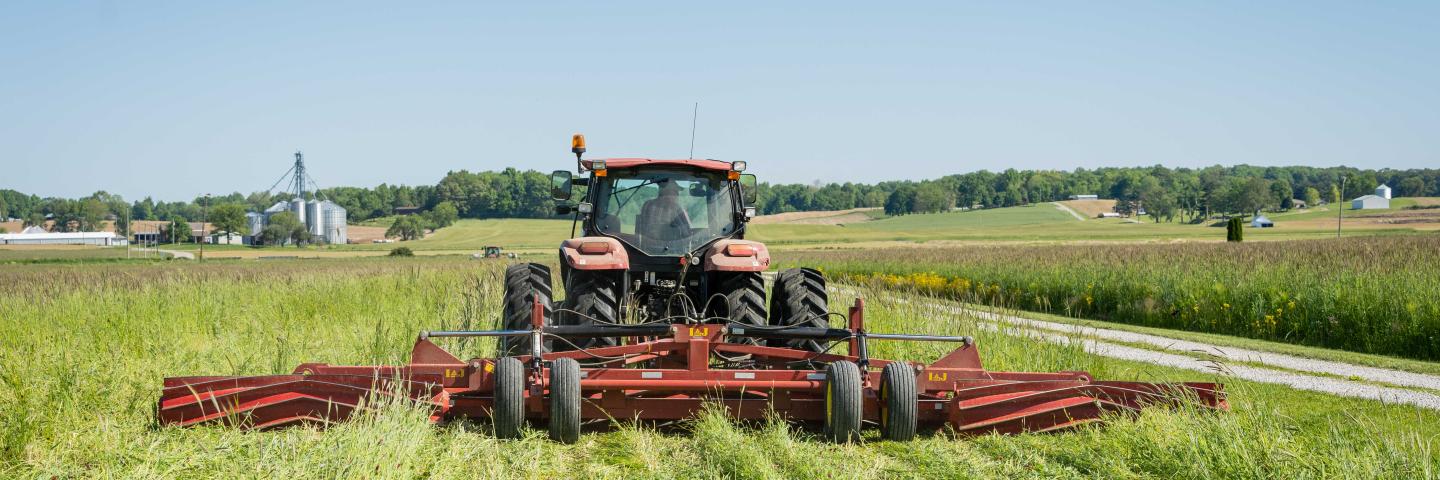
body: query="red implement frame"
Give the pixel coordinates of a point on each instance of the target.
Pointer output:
(671, 378)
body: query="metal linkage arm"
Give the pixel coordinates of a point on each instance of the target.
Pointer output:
(788, 333)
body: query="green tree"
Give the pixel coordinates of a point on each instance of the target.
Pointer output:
(933, 197)
(1235, 230)
(284, 227)
(1412, 187)
(408, 227)
(1312, 196)
(35, 219)
(177, 230)
(901, 201)
(92, 215)
(228, 218)
(443, 215)
(1335, 194)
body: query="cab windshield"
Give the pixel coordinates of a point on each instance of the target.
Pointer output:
(665, 213)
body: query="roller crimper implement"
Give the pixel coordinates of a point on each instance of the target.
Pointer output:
(665, 371)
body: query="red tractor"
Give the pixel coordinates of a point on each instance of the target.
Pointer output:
(660, 241)
(664, 313)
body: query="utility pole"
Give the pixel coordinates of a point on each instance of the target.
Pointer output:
(1340, 207)
(204, 220)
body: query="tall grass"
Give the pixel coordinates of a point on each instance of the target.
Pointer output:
(1374, 295)
(83, 350)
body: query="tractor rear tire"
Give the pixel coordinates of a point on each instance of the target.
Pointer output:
(799, 299)
(525, 283)
(842, 401)
(744, 298)
(565, 400)
(898, 402)
(591, 297)
(508, 414)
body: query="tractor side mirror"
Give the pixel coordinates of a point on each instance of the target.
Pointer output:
(560, 186)
(749, 191)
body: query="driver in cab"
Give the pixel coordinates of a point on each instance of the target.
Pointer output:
(663, 218)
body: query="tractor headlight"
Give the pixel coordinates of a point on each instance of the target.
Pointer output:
(738, 166)
(597, 164)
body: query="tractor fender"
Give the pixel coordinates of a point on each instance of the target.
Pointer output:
(594, 253)
(734, 255)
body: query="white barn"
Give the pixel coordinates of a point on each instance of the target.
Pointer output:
(105, 239)
(1379, 201)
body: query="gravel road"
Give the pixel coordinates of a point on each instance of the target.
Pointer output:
(1294, 373)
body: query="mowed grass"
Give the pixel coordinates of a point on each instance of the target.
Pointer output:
(1376, 295)
(83, 350)
(64, 253)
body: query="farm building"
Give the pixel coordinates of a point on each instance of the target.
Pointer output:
(1379, 201)
(63, 238)
(1084, 197)
(1109, 215)
(1261, 221)
(324, 219)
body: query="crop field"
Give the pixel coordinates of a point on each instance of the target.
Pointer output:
(83, 349)
(1371, 294)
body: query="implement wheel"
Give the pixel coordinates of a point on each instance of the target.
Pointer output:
(738, 297)
(524, 283)
(898, 402)
(565, 400)
(799, 299)
(591, 297)
(509, 412)
(842, 401)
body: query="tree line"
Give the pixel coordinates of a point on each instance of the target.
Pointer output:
(1165, 194)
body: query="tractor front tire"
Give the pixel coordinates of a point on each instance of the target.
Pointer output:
(591, 297)
(743, 299)
(565, 400)
(508, 414)
(799, 299)
(524, 284)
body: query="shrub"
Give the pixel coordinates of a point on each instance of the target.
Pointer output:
(401, 252)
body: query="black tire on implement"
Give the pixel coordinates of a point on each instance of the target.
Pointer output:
(898, 402)
(799, 299)
(744, 298)
(591, 297)
(842, 401)
(524, 283)
(565, 400)
(508, 414)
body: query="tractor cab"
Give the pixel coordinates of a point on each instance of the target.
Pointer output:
(661, 208)
(665, 236)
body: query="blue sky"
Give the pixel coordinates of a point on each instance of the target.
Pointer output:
(178, 99)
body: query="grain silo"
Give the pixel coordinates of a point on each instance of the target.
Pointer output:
(314, 219)
(333, 226)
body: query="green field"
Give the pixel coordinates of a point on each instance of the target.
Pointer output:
(1041, 223)
(67, 254)
(1365, 294)
(83, 349)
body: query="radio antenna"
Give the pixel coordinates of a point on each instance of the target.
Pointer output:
(693, 118)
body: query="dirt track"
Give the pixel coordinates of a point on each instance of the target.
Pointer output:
(1335, 378)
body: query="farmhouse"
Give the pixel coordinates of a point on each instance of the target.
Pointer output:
(63, 238)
